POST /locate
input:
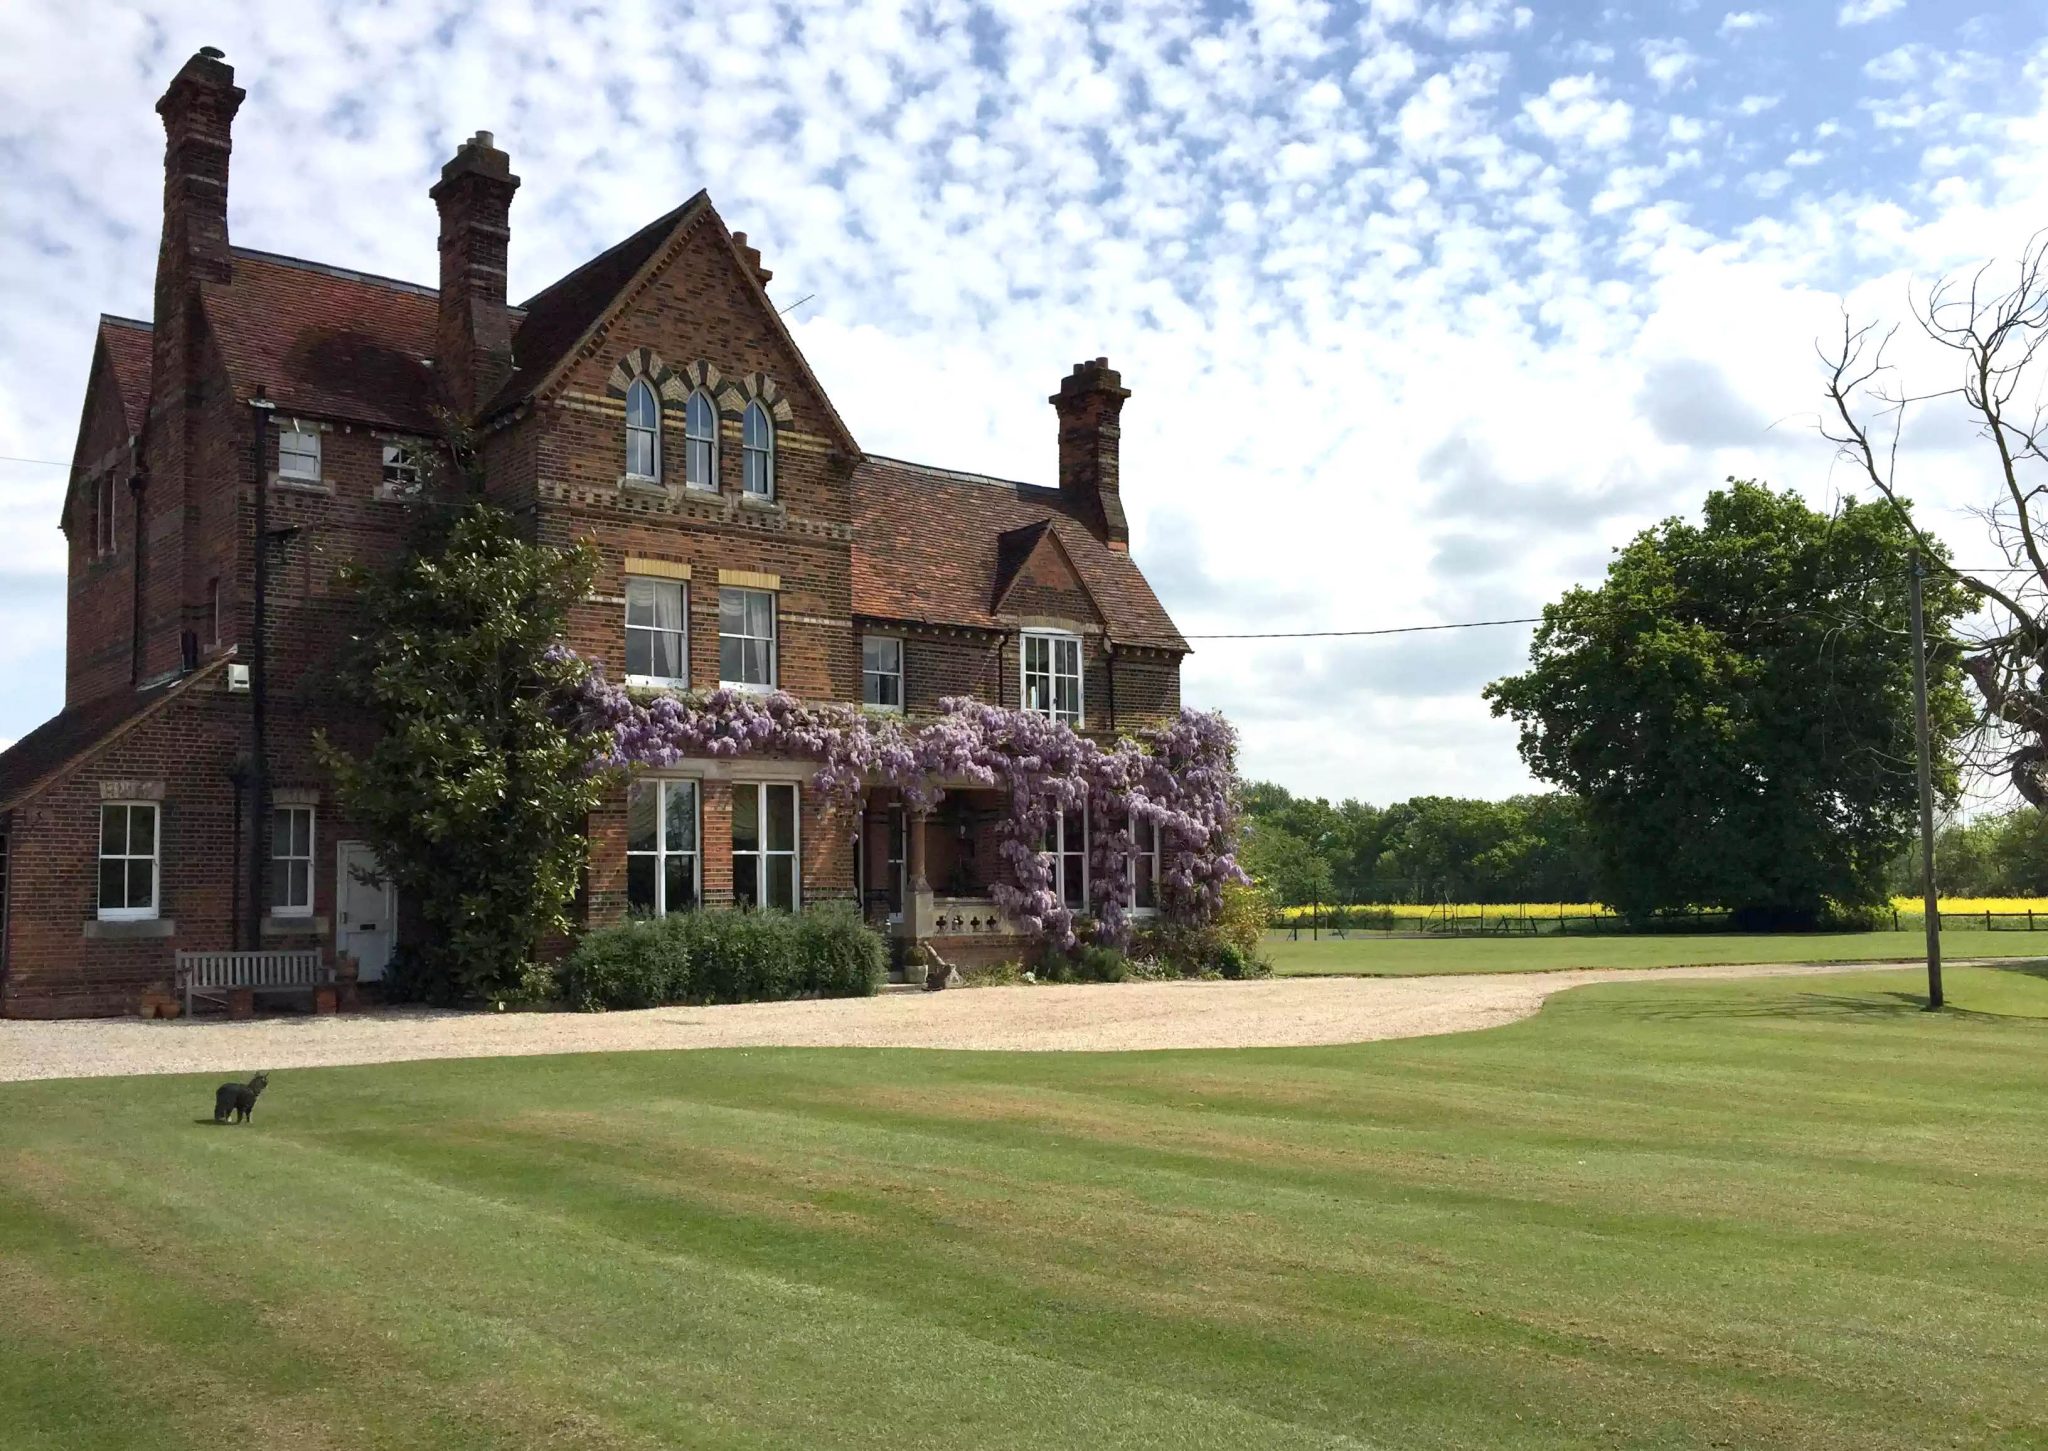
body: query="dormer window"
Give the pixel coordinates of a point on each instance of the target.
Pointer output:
(757, 441)
(1052, 675)
(643, 433)
(700, 442)
(298, 455)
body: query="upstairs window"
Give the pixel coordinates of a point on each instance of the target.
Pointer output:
(657, 646)
(103, 516)
(746, 638)
(757, 440)
(662, 872)
(291, 861)
(128, 861)
(401, 470)
(1052, 675)
(643, 433)
(298, 455)
(881, 672)
(700, 442)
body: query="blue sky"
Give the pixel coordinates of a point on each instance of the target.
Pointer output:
(1425, 304)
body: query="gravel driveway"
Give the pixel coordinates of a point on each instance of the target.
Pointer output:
(1272, 1013)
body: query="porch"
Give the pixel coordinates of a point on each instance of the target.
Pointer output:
(926, 876)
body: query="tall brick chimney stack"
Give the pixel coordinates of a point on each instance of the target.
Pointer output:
(1090, 400)
(473, 351)
(199, 111)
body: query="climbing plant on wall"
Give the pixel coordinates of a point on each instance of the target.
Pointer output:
(1181, 778)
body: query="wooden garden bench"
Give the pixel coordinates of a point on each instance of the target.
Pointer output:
(213, 975)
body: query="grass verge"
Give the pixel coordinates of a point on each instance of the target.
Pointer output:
(1795, 1214)
(1374, 955)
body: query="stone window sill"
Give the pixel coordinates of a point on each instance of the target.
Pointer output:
(293, 927)
(633, 483)
(302, 486)
(755, 501)
(141, 929)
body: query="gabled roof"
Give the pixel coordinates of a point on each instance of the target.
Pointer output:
(328, 341)
(936, 547)
(561, 315)
(66, 739)
(127, 343)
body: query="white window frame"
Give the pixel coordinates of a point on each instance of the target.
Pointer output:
(154, 857)
(773, 637)
(403, 459)
(661, 786)
(280, 876)
(764, 452)
(1056, 847)
(896, 675)
(1053, 640)
(761, 851)
(682, 590)
(708, 442)
(292, 461)
(1148, 861)
(633, 390)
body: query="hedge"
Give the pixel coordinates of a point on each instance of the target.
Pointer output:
(723, 957)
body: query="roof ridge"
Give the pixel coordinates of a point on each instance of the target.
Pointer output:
(134, 322)
(667, 218)
(329, 269)
(963, 475)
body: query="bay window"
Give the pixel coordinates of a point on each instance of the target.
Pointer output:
(663, 872)
(1066, 842)
(764, 845)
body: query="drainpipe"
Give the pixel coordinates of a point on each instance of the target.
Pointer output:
(260, 409)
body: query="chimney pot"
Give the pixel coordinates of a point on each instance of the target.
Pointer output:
(213, 52)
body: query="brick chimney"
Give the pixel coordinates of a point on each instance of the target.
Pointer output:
(473, 350)
(752, 255)
(199, 111)
(1090, 400)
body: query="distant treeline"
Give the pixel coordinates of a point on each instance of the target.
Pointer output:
(1427, 849)
(2000, 855)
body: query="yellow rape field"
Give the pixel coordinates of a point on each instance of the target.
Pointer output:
(1440, 911)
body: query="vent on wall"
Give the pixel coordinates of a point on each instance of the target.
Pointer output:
(238, 679)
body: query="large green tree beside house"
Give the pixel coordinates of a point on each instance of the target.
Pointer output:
(1734, 707)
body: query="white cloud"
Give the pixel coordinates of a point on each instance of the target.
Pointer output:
(1575, 111)
(1757, 105)
(1668, 62)
(1384, 69)
(1862, 12)
(1737, 21)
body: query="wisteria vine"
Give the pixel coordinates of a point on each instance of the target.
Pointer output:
(1180, 777)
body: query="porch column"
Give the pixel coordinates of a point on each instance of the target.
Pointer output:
(918, 913)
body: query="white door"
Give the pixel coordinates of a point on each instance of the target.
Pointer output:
(367, 920)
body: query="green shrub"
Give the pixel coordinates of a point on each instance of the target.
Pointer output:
(992, 974)
(723, 957)
(1089, 962)
(1213, 949)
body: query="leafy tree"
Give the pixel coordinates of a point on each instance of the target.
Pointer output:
(1734, 707)
(476, 789)
(1287, 867)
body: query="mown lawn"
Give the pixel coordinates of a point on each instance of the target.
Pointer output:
(1376, 955)
(1776, 1214)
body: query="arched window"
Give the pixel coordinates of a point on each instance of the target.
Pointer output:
(700, 442)
(757, 441)
(643, 432)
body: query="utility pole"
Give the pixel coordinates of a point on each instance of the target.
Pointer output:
(1931, 902)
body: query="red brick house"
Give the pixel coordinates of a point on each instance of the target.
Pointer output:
(651, 400)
